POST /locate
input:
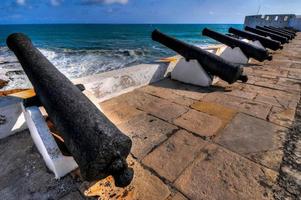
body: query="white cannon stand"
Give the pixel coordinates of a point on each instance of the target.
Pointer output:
(234, 55)
(14, 117)
(192, 73)
(11, 116)
(59, 164)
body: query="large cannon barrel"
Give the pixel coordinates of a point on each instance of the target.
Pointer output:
(266, 42)
(267, 34)
(289, 37)
(212, 63)
(282, 30)
(96, 144)
(291, 29)
(249, 50)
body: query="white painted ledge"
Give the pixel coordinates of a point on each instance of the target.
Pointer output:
(113, 83)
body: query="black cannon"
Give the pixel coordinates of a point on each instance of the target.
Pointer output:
(267, 34)
(275, 32)
(292, 35)
(212, 63)
(291, 29)
(268, 43)
(96, 144)
(282, 30)
(249, 50)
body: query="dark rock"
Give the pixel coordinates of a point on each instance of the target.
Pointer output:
(3, 83)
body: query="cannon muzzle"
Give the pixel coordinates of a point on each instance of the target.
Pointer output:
(268, 43)
(289, 37)
(97, 146)
(211, 63)
(267, 34)
(249, 50)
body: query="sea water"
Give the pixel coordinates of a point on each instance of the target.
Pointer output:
(79, 50)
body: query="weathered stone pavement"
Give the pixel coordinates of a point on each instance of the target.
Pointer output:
(231, 142)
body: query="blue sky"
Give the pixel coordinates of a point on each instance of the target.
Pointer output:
(140, 11)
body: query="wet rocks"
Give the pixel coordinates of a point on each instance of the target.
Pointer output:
(3, 83)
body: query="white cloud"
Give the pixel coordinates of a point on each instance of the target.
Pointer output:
(21, 2)
(105, 1)
(56, 2)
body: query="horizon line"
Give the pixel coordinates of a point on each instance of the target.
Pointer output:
(89, 23)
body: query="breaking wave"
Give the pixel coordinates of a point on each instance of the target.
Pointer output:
(74, 63)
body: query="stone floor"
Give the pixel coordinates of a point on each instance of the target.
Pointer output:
(222, 142)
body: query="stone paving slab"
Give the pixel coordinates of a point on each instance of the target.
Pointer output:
(199, 123)
(177, 196)
(254, 108)
(179, 150)
(144, 186)
(170, 94)
(254, 138)
(220, 174)
(146, 133)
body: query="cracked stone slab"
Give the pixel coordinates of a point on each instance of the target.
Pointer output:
(217, 110)
(199, 123)
(254, 138)
(146, 133)
(220, 174)
(164, 109)
(167, 93)
(282, 116)
(250, 107)
(174, 155)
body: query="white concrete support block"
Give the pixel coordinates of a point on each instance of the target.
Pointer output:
(59, 164)
(234, 55)
(11, 116)
(257, 44)
(191, 72)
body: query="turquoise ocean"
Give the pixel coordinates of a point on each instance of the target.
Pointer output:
(80, 50)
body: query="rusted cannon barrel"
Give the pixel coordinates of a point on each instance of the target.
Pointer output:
(275, 32)
(268, 43)
(249, 50)
(211, 63)
(267, 34)
(97, 146)
(282, 30)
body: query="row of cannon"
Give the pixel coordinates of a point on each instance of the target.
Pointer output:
(97, 145)
(269, 37)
